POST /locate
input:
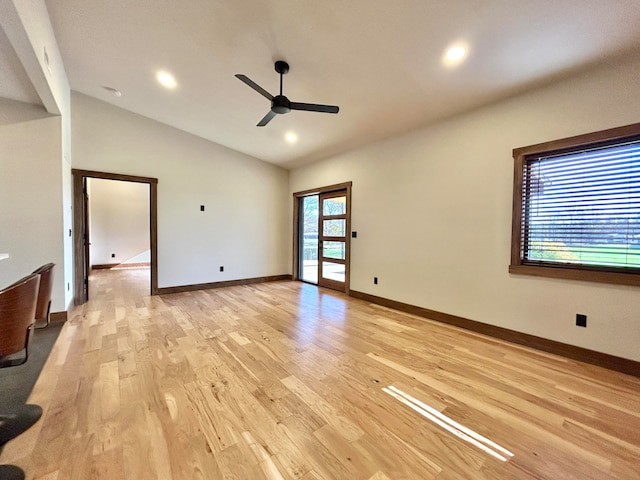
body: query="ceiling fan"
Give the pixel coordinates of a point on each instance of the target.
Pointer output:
(281, 104)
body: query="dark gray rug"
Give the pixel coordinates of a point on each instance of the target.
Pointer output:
(16, 383)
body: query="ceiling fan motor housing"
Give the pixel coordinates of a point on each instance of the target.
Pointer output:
(280, 104)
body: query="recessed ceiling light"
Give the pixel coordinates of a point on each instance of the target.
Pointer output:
(455, 54)
(291, 137)
(166, 79)
(112, 91)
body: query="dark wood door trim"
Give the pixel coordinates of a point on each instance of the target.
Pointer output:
(113, 176)
(297, 198)
(78, 242)
(79, 177)
(327, 189)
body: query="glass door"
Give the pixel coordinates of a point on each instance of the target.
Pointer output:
(322, 242)
(332, 245)
(308, 240)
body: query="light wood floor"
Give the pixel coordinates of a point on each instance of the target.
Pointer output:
(284, 381)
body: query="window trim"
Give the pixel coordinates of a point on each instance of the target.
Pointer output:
(565, 145)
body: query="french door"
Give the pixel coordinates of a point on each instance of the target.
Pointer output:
(332, 244)
(323, 238)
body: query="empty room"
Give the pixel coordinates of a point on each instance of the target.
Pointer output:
(319, 239)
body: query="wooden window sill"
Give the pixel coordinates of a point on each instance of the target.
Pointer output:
(568, 273)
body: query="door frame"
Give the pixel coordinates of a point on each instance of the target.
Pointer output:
(297, 196)
(79, 226)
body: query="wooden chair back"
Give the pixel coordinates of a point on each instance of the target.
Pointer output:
(17, 316)
(43, 306)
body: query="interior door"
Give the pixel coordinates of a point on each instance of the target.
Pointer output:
(333, 245)
(85, 238)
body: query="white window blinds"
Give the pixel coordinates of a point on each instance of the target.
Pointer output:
(583, 208)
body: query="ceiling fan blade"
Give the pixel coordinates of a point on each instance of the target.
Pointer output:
(254, 85)
(266, 119)
(312, 107)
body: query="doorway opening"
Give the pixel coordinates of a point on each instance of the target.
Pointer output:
(322, 225)
(82, 250)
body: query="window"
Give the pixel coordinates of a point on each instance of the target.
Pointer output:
(576, 208)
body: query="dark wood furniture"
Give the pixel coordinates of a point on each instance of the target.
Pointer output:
(43, 305)
(17, 318)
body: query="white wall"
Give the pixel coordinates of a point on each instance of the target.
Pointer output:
(31, 225)
(119, 222)
(432, 209)
(28, 28)
(245, 223)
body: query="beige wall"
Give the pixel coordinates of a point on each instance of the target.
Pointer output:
(31, 216)
(245, 223)
(119, 220)
(432, 209)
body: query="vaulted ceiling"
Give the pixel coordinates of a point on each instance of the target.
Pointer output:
(380, 61)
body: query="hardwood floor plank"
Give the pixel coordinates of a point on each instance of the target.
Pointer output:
(318, 457)
(108, 465)
(265, 460)
(283, 380)
(333, 417)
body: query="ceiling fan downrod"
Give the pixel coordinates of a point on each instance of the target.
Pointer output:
(282, 68)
